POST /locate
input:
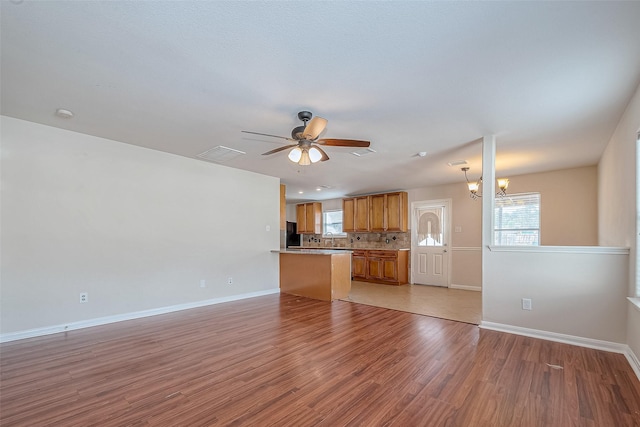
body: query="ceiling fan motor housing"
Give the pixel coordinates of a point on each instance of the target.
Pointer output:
(305, 116)
(296, 133)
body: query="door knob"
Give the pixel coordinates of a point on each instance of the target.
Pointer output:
(444, 251)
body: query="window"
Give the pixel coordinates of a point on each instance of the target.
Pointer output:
(332, 223)
(517, 220)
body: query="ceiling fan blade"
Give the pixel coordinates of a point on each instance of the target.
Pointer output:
(324, 157)
(314, 128)
(279, 149)
(344, 142)
(266, 134)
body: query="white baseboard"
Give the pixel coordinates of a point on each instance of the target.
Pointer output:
(633, 361)
(466, 287)
(569, 339)
(30, 333)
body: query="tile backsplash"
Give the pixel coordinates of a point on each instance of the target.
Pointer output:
(360, 241)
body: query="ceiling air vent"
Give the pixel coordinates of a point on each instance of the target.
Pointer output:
(220, 154)
(363, 152)
(457, 163)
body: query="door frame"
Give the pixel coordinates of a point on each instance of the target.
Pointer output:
(446, 231)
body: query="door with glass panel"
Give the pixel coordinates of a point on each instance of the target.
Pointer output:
(429, 242)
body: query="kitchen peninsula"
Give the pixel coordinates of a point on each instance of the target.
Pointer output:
(315, 273)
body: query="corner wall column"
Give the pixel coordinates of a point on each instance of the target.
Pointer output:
(488, 200)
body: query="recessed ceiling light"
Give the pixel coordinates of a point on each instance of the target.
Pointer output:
(65, 114)
(318, 189)
(457, 163)
(300, 192)
(422, 154)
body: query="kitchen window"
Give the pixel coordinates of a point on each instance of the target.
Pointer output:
(332, 224)
(517, 220)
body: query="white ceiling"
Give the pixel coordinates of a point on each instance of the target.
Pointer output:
(549, 79)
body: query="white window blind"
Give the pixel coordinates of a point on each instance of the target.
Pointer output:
(517, 220)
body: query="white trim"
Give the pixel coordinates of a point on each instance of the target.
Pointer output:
(635, 302)
(30, 333)
(563, 249)
(466, 249)
(568, 339)
(633, 361)
(466, 287)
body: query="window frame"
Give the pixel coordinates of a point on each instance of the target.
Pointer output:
(342, 235)
(497, 230)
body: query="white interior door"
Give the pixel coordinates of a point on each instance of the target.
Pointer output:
(429, 242)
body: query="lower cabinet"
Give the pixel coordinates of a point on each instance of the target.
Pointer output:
(359, 265)
(388, 267)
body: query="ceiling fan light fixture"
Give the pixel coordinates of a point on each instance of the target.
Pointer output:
(304, 158)
(314, 155)
(295, 154)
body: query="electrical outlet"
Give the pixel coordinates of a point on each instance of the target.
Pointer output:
(526, 304)
(230, 281)
(84, 297)
(203, 283)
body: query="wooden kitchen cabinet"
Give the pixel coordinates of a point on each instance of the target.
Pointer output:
(361, 214)
(383, 265)
(355, 214)
(388, 267)
(388, 212)
(376, 213)
(359, 265)
(397, 211)
(309, 218)
(348, 215)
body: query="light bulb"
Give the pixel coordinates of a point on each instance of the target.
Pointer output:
(314, 154)
(295, 154)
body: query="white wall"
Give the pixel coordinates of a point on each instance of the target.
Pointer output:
(575, 291)
(135, 228)
(618, 205)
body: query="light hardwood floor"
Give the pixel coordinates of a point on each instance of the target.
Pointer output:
(445, 303)
(281, 360)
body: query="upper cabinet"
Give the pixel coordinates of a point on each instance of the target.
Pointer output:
(355, 213)
(397, 211)
(309, 218)
(376, 213)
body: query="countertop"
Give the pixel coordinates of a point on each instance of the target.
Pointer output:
(310, 251)
(345, 249)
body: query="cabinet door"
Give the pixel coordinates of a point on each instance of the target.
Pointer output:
(311, 217)
(377, 212)
(390, 269)
(301, 218)
(362, 214)
(358, 267)
(374, 268)
(348, 217)
(396, 211)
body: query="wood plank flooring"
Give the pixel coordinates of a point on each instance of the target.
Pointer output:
(288, 361)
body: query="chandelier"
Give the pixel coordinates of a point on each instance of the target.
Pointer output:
(474, 186)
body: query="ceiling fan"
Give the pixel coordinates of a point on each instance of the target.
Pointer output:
(306, 149)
